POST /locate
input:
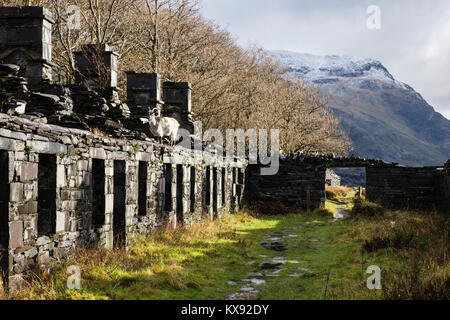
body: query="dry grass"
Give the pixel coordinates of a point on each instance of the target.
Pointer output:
(337, 192)
(420, 241)
(364, 208)
(98, 132)
(161, 253)
(411, 247)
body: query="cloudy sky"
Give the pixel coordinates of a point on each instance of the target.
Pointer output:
(413, 42)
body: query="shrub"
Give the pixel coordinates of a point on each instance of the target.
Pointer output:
(363, 208)
(323, 212)
(420, 241)
(416, 282)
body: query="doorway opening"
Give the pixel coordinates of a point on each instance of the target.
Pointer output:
(223, 181)
(119, 221)
(192, 190)
(4, 214)
(98, 193)
(142, 188)
(180, 194)
(342, 187)
(168, 206)
(47, 195)
(215, 193)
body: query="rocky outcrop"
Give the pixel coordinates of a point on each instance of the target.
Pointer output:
(385, 118)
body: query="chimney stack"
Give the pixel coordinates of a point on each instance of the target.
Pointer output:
(143, 93)
(177, 103)
(26, 41)
(97, 66)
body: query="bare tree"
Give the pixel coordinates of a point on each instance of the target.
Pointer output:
(232, 87)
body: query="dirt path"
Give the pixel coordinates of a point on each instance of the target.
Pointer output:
(281, 261)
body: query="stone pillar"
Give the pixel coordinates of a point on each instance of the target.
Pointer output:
(143, 93)
(97, 66)
(177, 103)
(186, 194)
(131, 199)
(26, 41)
(219, 193)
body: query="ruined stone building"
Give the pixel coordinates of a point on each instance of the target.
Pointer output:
(77, 166)
(332, 179)
(300, 183)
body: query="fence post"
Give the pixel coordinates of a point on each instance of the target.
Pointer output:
(308, 200)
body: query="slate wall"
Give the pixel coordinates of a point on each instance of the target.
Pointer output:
(388, 184)
(402, 187)
(32, 152)
(290, 186)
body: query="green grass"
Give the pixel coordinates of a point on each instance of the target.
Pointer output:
(200, 262)
(340, 201)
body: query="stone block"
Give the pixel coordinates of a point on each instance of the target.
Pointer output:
(43, 258)
(97, 153)
(28, 208)
(69, 205)
(61, 221)
(26, 171)
(72, 170)
(61, 180)
(31, 253)
(16, 234)
(109, 171)
(109, 203)
(83, 165)
(47, 147)
(7, 144)
(130, 210)
(15, 282)
(42, 241)
(16, 192)
(109, 240)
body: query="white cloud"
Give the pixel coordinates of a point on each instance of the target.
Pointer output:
(413, 43)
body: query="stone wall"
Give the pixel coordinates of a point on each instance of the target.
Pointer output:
(300, 183)
(93, 188)
(292, 186)
(402, 187)
(443, 189)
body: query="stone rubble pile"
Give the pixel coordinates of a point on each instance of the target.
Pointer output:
(13, 90)
(75, 106)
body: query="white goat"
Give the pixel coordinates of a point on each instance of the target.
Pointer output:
(162, 127)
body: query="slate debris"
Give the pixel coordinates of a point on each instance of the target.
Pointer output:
(13, 90)
(73, 106)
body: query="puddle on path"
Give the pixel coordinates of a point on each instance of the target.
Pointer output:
(340, 214)
(272, 266)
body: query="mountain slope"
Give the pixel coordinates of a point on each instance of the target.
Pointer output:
(385, 118)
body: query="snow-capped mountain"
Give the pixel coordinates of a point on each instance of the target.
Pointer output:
(330, 68)
(385, 118)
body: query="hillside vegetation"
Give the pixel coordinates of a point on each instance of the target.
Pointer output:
(384, 118)
(233, 87)
(293, 256)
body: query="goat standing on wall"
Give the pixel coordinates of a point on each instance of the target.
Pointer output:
(162, 127)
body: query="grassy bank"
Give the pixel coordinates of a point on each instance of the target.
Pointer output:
(320, 259)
